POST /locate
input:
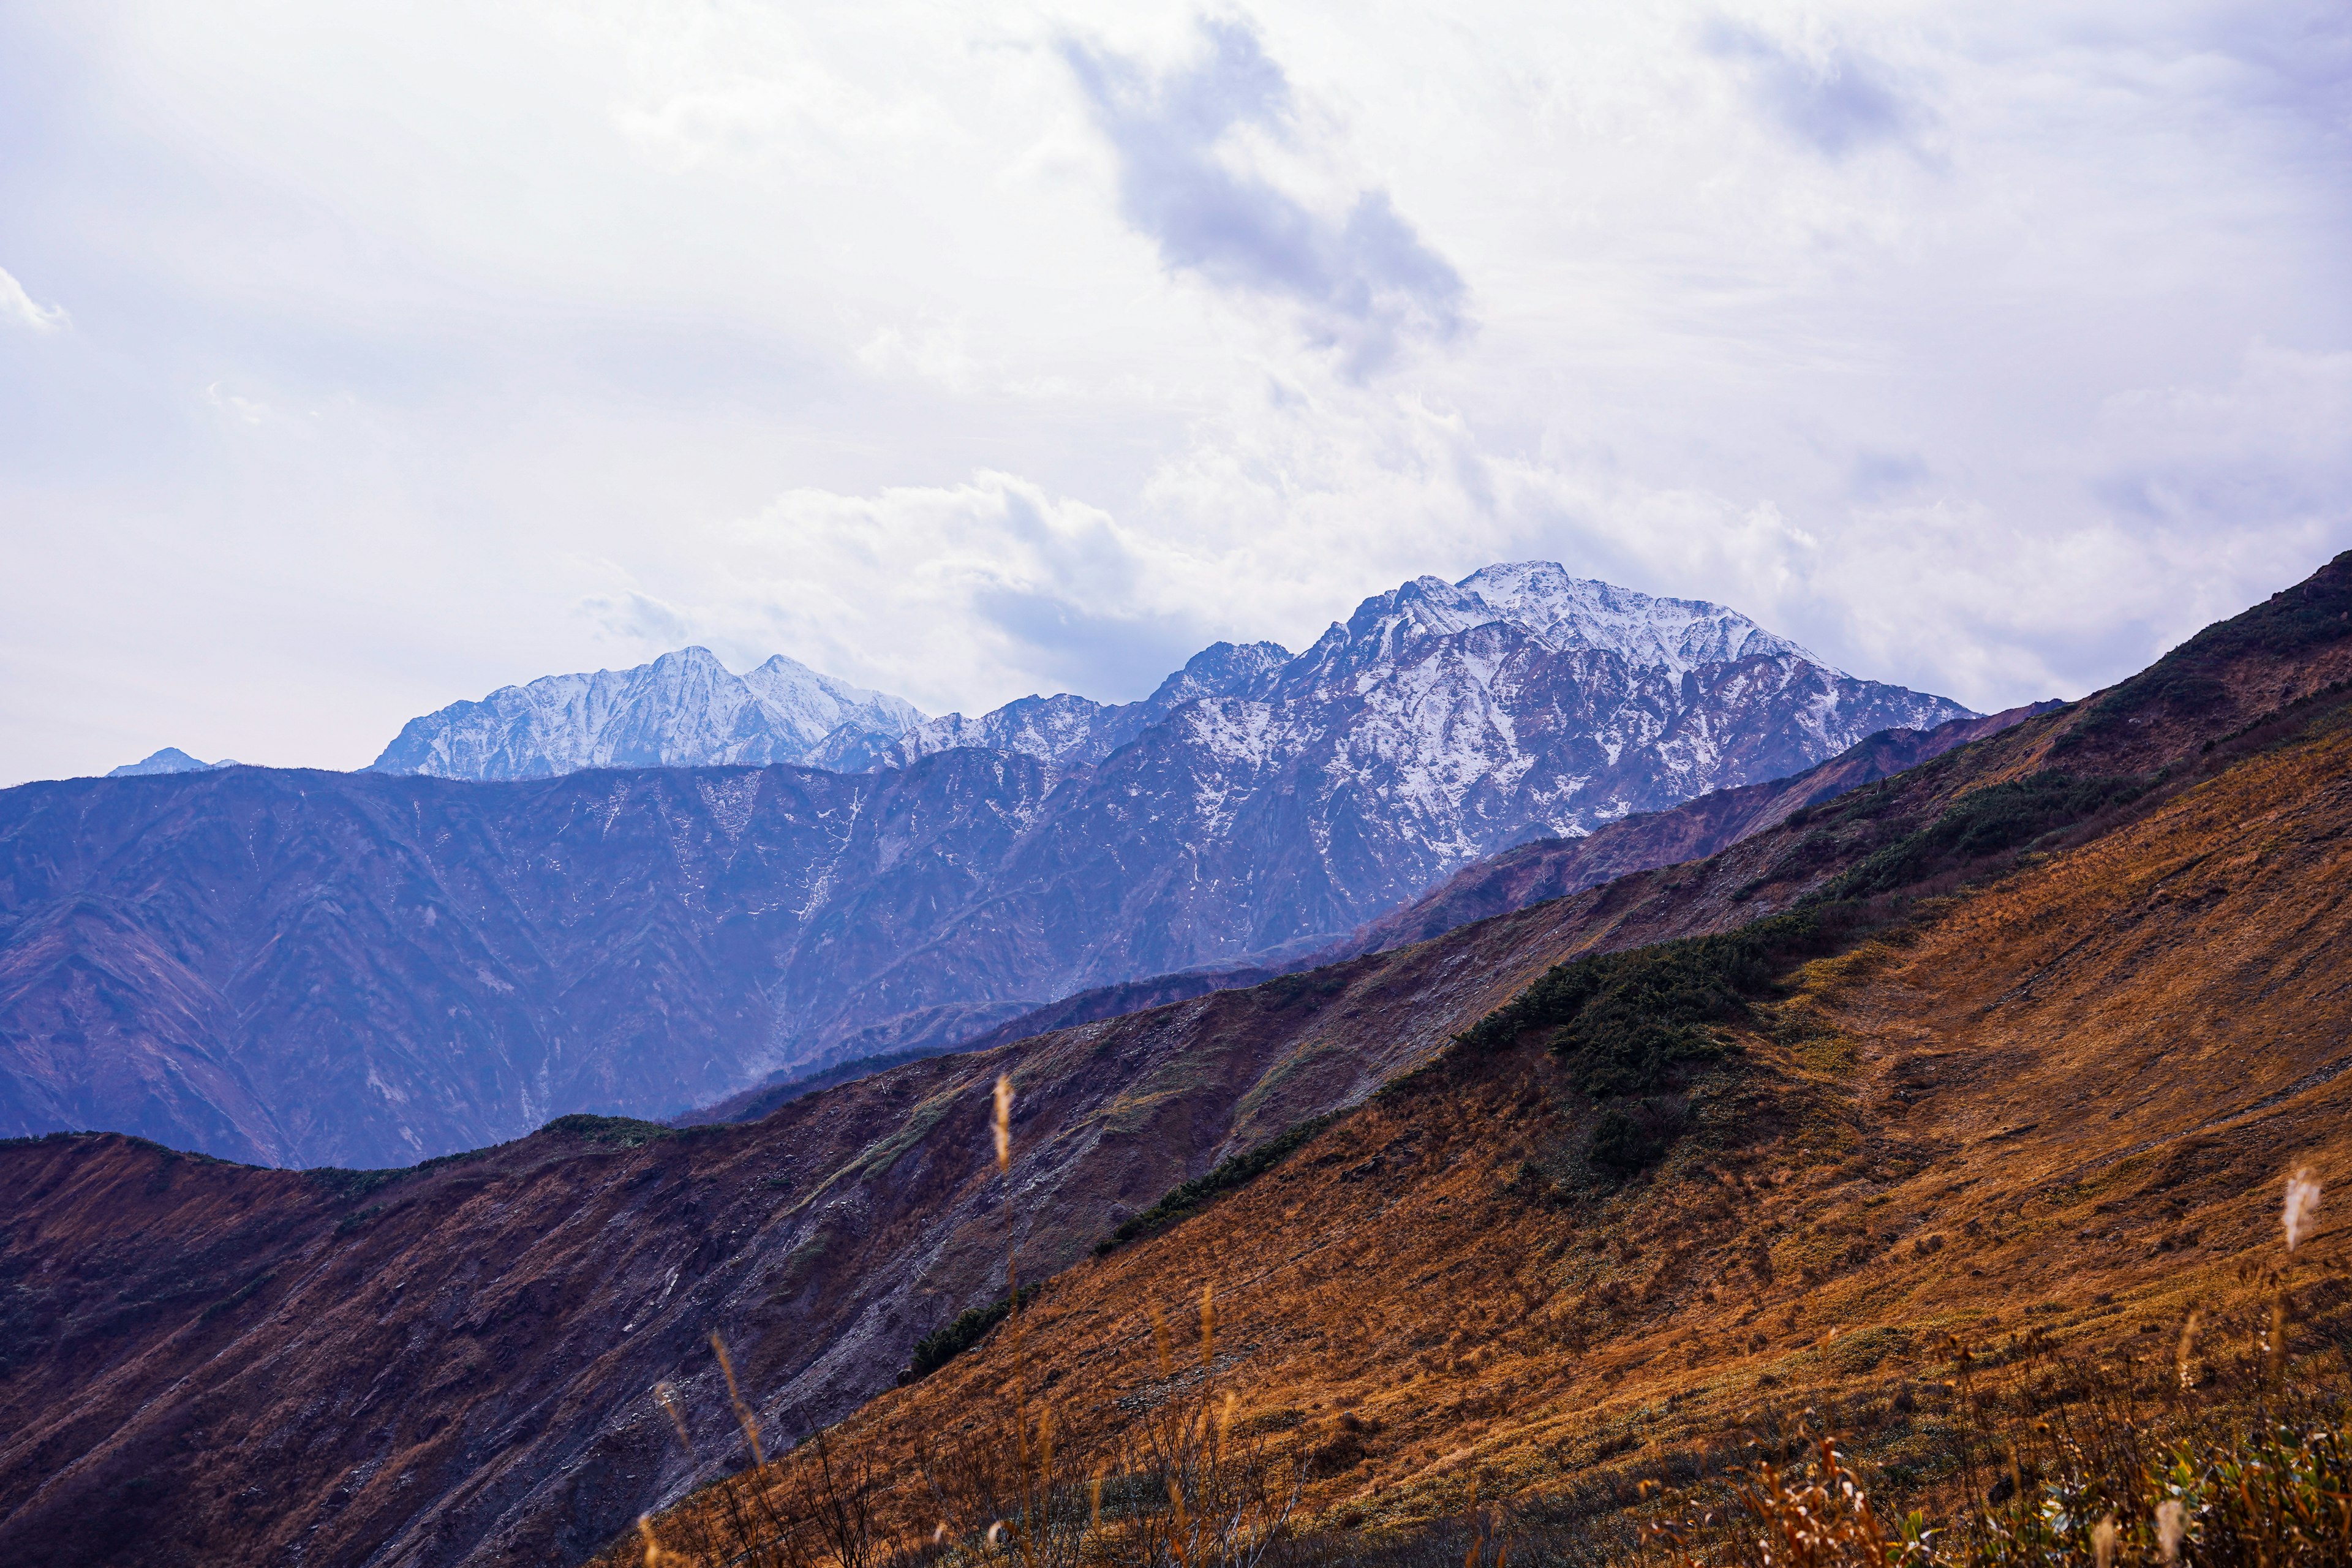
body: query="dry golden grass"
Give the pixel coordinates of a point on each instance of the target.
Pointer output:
(2080, 1120)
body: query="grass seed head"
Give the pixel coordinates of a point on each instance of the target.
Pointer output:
(2171, 1524)
(667, 1397)
(1208, 1326)
(1005, 1124)
(2301, 1206)
(2103, 1541)
(743, 1415)
(2184, 1362)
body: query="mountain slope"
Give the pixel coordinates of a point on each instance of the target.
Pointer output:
(684, 710)
(301, 967)
(1512, 880)
(1554, 868)
(453, 1362)
(2050, 1117)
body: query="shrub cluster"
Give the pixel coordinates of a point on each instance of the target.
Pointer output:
(1986, 822)
(1624, 1022)
(940, 1346)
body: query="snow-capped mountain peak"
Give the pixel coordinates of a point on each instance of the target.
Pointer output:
(685, 709)
(810, 706)
(1066, 729)
(1570, 613)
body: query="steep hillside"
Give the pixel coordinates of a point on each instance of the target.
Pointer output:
(450, 1361)
(2046, 1116)
(1533, 873)
(453, 1363)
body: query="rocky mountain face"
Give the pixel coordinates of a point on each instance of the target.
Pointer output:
(1555, 867)
(170, 759)
(366, 969)
(1066, 728)
(452, 1364)
(684, 710)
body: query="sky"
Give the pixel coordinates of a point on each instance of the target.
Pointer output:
(358, 360)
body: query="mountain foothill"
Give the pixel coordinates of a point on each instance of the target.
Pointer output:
(1506, 1071)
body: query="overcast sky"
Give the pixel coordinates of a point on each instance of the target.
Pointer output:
(354, 360)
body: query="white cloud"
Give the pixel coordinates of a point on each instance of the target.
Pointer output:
(1985, 347)
(24, 310)
(1359, 278)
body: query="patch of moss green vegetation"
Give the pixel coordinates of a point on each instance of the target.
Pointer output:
(1985, 822)
(1177, 1080)
(356, 1218)
(345, 1185)
(1626, 1022)
(1310, 990)
(627, 1131)
(878, 1160)
(1196, 1195)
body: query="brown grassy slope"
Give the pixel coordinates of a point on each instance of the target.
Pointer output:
(449, 1365)
(2080, 1088)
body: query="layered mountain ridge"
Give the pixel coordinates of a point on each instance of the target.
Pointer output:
(302, 967)
(685, 710)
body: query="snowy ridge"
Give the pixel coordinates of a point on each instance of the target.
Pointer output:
(684, 710)
(1256, 799)
(1677, 634)
(1068, 729)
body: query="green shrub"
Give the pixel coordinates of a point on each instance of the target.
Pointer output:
(1620, 1143)
(940, 1346)
(1985, 822)
(1624, 1022)
(627, 1131)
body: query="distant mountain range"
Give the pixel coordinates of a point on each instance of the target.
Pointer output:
(368, 968)
(685, 710)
